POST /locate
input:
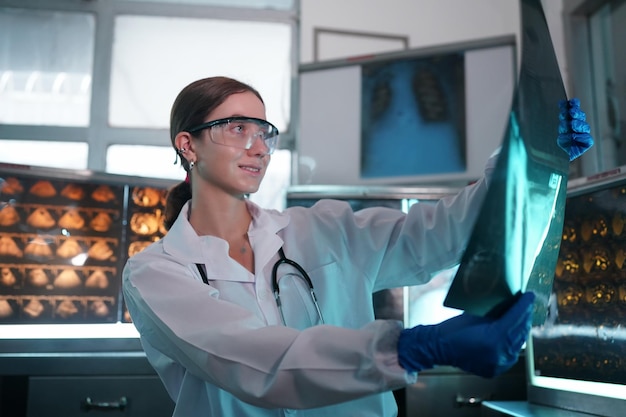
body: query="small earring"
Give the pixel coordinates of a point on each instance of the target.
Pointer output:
(182, 150)
(191, 165)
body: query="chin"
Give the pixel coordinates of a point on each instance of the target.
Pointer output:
(250, 190)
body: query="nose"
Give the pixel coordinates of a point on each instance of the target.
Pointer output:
(258, 146)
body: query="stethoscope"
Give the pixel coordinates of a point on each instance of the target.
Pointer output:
(303, 275)
(283, 260)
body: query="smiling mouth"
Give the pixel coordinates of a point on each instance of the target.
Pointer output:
(250, 168)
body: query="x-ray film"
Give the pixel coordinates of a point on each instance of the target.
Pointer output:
(516, 239)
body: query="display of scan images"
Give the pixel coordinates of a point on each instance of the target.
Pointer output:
(63, 244)
(145, 225)
(584, 336)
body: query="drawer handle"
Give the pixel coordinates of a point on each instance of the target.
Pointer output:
(89, 404)
(462, 401)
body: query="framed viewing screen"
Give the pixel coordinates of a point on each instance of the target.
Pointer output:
(430, 115)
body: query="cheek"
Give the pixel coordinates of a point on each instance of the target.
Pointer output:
(211, 165)
(218, 162)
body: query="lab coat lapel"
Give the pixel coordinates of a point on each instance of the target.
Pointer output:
(187, 247)
(182, 243)
(263, 233)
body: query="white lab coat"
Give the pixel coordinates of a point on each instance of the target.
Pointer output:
(222, 350)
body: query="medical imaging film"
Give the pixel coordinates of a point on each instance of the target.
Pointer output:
(516, 239)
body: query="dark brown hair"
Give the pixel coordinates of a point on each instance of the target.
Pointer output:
(190, 108)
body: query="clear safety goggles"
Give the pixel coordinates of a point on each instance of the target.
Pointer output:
(240, 132)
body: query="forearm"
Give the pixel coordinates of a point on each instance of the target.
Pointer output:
(267, 366)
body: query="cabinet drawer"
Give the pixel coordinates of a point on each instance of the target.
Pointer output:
(98, 396)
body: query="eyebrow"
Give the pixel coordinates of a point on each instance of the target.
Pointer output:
(242, 115)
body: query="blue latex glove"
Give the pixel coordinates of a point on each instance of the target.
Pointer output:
(485, 346)
(574, 137)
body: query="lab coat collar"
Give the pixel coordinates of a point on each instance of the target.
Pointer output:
(183, 243)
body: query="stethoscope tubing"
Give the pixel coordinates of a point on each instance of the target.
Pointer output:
(284, 260)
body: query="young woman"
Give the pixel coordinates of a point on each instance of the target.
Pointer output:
(251, 312)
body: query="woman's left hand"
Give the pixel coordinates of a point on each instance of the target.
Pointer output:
(574, 132)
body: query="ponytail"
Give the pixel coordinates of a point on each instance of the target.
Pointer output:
(177, 196)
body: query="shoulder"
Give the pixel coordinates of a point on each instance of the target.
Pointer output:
(146, 255)
(145, 250)
(154, 274)
(341, 210)
(334, 216)
(321, 208)
(322, 211)
(151, 260)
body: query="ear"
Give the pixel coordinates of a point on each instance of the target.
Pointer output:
(183, 141)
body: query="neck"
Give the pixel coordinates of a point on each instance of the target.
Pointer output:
(228, 219)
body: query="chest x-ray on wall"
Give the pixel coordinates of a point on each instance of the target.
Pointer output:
(413, 116)
(410, 117)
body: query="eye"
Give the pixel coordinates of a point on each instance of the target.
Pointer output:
(235, 128)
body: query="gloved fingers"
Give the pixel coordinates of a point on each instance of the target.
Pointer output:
(504, 363)
(576, 151)
(565, 140)
(575, 144)
(574, 102)
(508, 360)
(582, 139)
(580, 126)
(576, 126)
(574, 132)
(570, 110)
(518, 317)
(577, 114)
(518, 339)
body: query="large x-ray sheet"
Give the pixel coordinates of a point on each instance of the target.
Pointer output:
(516, 239)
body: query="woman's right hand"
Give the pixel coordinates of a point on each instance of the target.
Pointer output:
(485, 346)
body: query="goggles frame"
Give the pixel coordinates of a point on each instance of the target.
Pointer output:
(270, 140)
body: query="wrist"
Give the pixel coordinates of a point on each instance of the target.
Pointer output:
(414, 348)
